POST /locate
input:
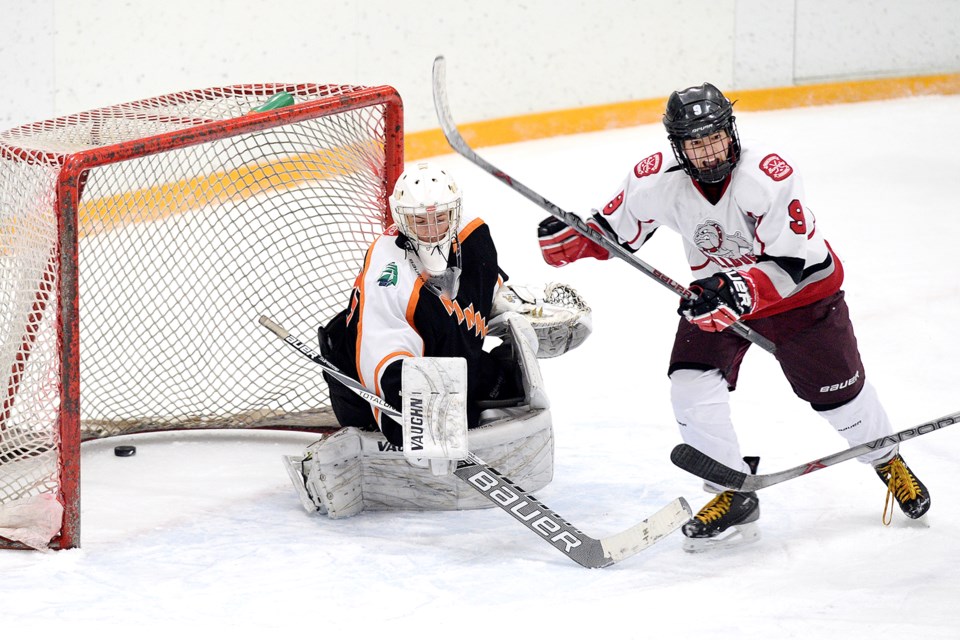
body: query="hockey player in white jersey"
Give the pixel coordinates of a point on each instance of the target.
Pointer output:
(756, 256)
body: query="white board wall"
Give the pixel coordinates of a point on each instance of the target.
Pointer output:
(504, 57)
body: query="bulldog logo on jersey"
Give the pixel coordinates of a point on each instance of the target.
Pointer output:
(727, 250)
(649, 165)
(776, 167)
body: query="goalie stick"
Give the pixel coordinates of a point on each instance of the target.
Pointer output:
(700, 464)
(452, 134)
(592, 553)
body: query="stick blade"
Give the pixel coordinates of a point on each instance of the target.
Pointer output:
(640, 536)
(703, 466)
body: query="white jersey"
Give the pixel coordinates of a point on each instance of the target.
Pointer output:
(392, 314)
(760, 225)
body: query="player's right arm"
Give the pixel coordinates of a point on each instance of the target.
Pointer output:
(621, 220)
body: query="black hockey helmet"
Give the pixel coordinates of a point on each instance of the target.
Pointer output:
(696, 112)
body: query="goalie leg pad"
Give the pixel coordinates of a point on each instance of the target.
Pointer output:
(329, 477)
(298, 477)
(520, 448)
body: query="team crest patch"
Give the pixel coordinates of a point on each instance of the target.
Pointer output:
(392, 230)
(613, 205)
(775, 167)
(389, 276)
(649, 166)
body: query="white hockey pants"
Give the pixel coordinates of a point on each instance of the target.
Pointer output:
(863, 420)
(701, 405)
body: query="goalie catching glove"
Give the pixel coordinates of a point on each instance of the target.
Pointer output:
(557, 314)
(719, 301)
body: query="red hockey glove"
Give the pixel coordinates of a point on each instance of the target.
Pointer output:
(560, 244)
(719, 301)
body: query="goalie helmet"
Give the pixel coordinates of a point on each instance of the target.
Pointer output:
(697, 112)
(426, 207)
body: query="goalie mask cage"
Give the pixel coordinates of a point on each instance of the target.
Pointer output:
(140, 244)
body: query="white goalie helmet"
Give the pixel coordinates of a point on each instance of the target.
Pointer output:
(426, 205)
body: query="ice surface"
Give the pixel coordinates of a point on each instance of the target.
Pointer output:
(201, 532)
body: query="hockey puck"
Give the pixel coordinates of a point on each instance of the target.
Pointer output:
(125, 450)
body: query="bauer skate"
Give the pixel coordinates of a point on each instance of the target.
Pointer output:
(729, 520)
(904, 487)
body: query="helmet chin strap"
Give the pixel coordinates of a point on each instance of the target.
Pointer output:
(441, 278)
(433, 257)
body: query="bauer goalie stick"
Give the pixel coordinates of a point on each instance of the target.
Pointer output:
(592, 553)
(452, 134)
(699, 464)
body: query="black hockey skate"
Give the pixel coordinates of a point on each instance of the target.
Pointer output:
(730, 519)
(906, 488)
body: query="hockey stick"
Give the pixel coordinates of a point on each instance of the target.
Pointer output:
(592, 553)
(460, 145)
(698, 463)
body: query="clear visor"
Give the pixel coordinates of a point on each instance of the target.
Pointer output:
(429, 225)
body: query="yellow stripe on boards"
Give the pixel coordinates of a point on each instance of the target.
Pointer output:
(425, 144)
(98, 215)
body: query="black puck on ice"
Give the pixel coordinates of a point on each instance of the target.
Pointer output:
(125, 450)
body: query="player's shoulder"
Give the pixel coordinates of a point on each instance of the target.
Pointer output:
(473, 227)
(767, 164)
(383, 251)
(653, 166)
(649, 175)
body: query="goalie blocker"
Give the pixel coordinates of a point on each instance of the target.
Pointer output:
(435, 412)
(354, 470)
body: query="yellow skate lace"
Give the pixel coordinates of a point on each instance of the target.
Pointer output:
(716, 508)
(901, 485)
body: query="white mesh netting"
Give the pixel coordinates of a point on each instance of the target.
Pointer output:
(180, 252)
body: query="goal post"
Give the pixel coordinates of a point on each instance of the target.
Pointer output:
(140, 243)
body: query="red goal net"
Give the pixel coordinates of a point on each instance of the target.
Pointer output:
(140, 244)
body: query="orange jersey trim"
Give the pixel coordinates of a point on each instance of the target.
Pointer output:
(390, 357)
(470, 228)
(413, 302)
(362, 289)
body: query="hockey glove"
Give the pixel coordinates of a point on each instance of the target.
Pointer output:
(560, 244)
(719, 301)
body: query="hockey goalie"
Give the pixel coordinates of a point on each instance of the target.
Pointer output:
(415, 334)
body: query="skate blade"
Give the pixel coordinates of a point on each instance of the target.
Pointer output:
(736, 536)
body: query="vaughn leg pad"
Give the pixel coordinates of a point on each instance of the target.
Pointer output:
(329, 477)
(520, 448)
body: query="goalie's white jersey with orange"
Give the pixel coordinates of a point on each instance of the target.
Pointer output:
(760, 225)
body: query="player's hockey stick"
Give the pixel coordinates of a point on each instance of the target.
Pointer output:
(452, 134)
(592, 553)
(699, 464)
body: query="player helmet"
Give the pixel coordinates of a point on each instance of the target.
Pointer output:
(426, 206)
(696, 112)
